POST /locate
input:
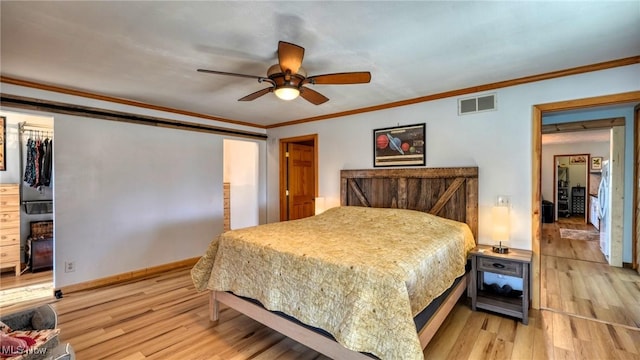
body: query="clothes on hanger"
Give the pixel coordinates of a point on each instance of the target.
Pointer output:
(30, 168)
(39, 163)
(45, 174)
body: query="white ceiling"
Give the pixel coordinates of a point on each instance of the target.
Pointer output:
(148, 51)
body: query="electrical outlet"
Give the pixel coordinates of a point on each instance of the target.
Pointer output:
(504, 200)
(69, 266)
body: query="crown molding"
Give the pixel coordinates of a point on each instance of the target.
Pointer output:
(469, 90)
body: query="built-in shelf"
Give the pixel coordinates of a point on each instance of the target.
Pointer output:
(38, 206)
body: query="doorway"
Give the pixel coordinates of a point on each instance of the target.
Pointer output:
(604, 139)
(32, 208)
(571, 184)
(240, 178)
(538, 110)
(298, 176)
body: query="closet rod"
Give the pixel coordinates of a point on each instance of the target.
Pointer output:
(24, 126)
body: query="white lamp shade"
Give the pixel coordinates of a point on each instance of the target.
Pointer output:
(500, 217)
(319, 205)
(287, 93)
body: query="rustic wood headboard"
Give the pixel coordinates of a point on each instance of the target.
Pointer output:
(448, 192)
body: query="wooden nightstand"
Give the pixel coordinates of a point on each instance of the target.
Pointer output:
(516, 263)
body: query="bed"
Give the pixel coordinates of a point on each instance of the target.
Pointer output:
(342, 281)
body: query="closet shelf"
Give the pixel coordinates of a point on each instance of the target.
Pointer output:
(38, 206)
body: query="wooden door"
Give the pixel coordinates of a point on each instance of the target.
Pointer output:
(298, 176)
(301, 180)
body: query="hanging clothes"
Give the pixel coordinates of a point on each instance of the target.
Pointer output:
(29, 169)
(39, 164)
(45, 174)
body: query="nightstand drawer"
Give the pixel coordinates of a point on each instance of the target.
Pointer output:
(500, 266)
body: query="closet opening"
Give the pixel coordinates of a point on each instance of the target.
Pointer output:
(27, 222)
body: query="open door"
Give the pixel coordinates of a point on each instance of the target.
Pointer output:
(635, 237)
(298, 177)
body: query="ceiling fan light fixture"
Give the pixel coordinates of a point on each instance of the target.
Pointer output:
(288, 78)
(287, 92)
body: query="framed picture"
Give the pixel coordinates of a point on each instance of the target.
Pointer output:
(596, 163)
(578, 159)
(3, 143)
(399, 146)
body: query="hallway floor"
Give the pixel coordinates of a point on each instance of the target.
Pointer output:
(577, 280)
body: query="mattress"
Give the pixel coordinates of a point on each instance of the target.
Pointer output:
(358, 273)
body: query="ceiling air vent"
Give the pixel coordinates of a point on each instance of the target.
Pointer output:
(477, 104)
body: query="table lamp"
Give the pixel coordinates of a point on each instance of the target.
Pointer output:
(500, 234)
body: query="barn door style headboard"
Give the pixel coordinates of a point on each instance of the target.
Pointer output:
(451, 193)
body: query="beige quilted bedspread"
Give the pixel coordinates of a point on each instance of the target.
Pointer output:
(359, 273)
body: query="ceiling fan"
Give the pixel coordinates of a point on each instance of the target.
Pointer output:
(288, 77)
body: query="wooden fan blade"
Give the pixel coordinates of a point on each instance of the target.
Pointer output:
(340, 78)
(313, 96)
(256, 94)
(290, 56)
(231, 74)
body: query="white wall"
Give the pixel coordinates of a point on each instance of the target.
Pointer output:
(128, 196)
(131, 197)
(498, 142)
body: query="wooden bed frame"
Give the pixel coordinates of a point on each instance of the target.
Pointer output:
(448, 192)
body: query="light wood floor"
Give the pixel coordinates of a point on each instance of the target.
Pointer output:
(577, 280)
(163, 317)
(553, 245)
(8, 280)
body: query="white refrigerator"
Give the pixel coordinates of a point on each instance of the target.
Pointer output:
(604, 199)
